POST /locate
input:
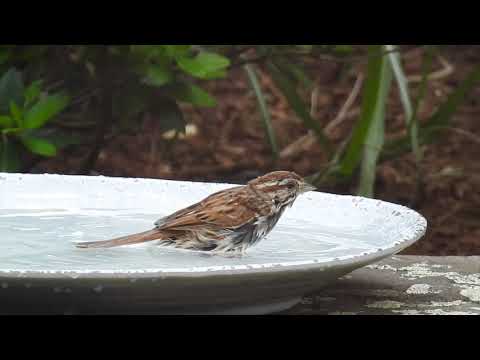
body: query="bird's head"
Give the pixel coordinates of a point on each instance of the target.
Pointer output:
(282, 187)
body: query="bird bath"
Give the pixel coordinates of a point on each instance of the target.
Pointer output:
(321, 238)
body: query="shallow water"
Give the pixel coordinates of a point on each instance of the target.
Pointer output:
(44, 240)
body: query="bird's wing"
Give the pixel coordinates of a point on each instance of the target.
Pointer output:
(227, 209)
(192, 209)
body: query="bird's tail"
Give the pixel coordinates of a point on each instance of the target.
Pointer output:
(146, 236)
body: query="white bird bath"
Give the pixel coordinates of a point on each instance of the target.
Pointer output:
(321, 238)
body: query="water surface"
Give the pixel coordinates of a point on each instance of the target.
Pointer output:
(43, 240)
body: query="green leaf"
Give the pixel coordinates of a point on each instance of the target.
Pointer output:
(395, 63)
(298, 105)
(158, 75)
(11, 89)
(204, 65)
(177, 51)
(368, 137)
(38, 146)
(32, 92)
(44, 110)
(6, 122)
(411, 119)
(376, 134)
(16, 113)
(9, 155)
(401, 145)
(215, 75)
(192, 94)
(267, 121)
(375, 88)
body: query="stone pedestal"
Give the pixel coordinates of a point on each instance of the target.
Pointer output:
(402, 285)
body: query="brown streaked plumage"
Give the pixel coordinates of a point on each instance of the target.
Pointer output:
(229, 220)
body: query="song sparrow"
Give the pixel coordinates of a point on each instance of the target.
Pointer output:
(230, 220)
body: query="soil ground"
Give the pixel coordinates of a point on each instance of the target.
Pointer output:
(228, 144)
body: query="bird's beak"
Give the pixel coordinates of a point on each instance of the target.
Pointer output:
(306, 187)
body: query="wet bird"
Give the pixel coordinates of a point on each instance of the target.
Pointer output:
(230, 220)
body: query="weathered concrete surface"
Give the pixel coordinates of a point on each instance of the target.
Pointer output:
(402, 285)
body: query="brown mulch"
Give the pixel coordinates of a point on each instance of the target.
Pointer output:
(229, 144)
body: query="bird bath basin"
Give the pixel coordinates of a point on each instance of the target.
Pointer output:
(321, 238)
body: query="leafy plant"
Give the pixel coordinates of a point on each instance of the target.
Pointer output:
(23, 112)
(113, 86)
(166, 66)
